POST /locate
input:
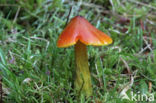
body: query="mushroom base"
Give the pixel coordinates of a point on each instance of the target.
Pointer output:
(83, 78)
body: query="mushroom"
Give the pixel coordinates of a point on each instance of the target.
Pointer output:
(80, 32)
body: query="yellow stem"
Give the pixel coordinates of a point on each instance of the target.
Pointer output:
(83, 78)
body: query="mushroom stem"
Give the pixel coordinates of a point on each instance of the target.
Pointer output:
(83, 78)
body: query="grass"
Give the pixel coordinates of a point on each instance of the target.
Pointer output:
(34, 70)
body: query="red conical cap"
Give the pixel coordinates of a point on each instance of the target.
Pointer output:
(80, 29)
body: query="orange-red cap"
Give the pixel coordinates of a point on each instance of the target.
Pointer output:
(80, 29)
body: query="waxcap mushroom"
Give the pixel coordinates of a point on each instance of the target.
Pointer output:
(81, 33)
(79, 29)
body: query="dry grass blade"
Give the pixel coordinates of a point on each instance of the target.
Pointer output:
(123, 93)
(126, 65)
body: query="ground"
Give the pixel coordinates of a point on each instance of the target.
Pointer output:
(34, 70)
